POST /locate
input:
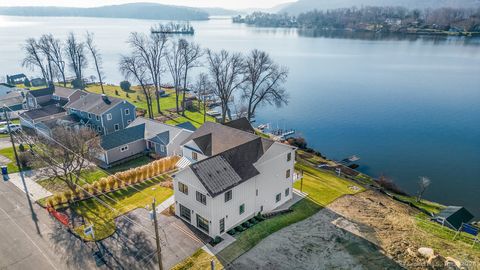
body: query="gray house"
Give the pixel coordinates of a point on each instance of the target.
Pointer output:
(163, 139)
(122, 145)
(31, 118)
(38, 98)
(102, 113)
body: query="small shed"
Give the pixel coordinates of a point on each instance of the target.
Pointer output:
(453, 217)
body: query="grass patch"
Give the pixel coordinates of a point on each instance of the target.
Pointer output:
(431, 207)
(56, 185)
(200, 260)
(124, 201)
(12, 165)
(137, 162)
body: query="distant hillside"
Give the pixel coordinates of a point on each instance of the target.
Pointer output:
(221, 12)
(148, 11)
(308, 5)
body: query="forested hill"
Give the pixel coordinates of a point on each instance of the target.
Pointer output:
(148, 11)
(307, 5)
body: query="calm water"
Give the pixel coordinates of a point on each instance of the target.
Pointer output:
(407, 107)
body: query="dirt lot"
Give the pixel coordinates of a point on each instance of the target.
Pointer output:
(336, 238)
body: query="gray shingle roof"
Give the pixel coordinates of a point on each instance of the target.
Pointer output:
(187, 126)
(122, 137)
(154, 128)
(239, 159)
(455, 215)
(64, 92)
(43, 112)
(94, 103)
(221, 139)
(162, 138)
(241, 124)
(42, 92)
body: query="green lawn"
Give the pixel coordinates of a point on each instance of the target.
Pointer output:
(322, 188)
(55, 185)
(136, 96)
(140, 161)
(200, 260)
(124, 201)
(12, 165)
(428, 206)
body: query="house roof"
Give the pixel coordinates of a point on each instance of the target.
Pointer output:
(7, 85)
(455, 215)
(17, 76)
(65, 120)
(230, 168)
(122, 137)
(213, 138)
(94, 103)
(156, 131)
(11, 98)
(64, 92)
(42, 92)
(187, 126)
(241, 124)
(43, 112)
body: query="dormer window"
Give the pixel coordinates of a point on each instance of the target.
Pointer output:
(194, 155)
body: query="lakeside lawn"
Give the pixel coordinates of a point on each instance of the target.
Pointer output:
(322, 188)
(123, 201)
(136, 97)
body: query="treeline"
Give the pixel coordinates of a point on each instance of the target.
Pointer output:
(254, 77)
(381, 19)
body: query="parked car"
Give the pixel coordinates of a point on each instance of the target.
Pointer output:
(13, 127)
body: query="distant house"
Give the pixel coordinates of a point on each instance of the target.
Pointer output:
(14, 101)
(122, 145)
(162, 139)
(453, 217)
(102, 113)
(30, 118)
(35, 98)
(36, 82)
(233, 176)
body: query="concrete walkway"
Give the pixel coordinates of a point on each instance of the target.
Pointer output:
(34, 190)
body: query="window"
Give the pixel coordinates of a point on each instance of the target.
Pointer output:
(242, 209)
(127, 111)
(256, 192)
(109, 116)
(56, 97)
(287, 174)
(89, 116)
(278, 197)
(287, 192)
(97, 117)
(202, 223)
(129, 121)
(228, 196)
(201, 198)
(289, 157)
(194, 156)
(99, 129)
(117, 127)
(183, 188)
(185, 213)
(124, 148)
(222, 225)
(162, 148)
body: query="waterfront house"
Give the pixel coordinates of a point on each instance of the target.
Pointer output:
(162, 139)
(453, 217)
(233, 175)
(102, 113)
(16, 78)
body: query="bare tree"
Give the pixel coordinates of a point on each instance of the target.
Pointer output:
(176, 64)
(133, 67)
(151, 51)
(66, 154)
(45, 48)
(77, 58)
(97, 58)
(423, 184)
(56, 55)
(264, 82)
(226, 72)
(191, 53)
(204, 91)
(33, 57)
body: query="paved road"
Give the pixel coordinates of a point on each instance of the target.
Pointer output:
(30, 239)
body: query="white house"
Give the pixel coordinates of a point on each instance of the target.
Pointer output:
(234, 175)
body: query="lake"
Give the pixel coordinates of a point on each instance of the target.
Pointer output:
(408, 107)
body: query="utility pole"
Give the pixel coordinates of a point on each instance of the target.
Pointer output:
(157, 238)
(11, 138)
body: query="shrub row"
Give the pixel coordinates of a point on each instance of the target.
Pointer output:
(247, 224)
(116, 181)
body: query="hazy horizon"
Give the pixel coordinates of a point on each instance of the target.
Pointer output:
(244, 4)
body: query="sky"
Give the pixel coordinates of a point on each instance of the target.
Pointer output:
(228, 4)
